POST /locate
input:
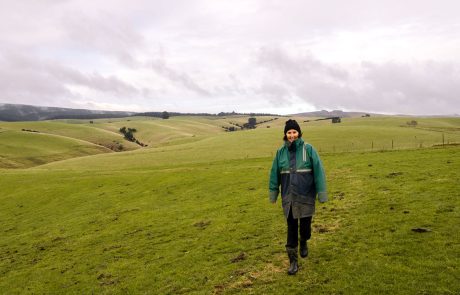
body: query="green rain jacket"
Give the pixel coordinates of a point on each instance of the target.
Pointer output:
(299, 184)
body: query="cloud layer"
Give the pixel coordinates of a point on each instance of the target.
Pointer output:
(212, 56)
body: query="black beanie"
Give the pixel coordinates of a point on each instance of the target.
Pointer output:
(292, 124)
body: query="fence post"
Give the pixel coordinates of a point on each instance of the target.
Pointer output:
(392, 146)
(372, 145)
(442, 139)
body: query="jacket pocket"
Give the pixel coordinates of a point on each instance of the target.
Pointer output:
(307, 209)
(305, 183)
(304, 207)
(303, 200)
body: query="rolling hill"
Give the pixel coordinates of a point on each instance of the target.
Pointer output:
(189, 214)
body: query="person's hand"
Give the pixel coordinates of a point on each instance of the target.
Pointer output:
(322, 197)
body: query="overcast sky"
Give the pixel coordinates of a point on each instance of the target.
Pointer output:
(241, 55)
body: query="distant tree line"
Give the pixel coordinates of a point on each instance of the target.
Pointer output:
(163, 115)
(333, 119)
(88, 116)
(18, 112)
(30, 130)
(230, 129)
(221, 114)
(269, 120)
(251, 124)
(13, 112)
(167, 115)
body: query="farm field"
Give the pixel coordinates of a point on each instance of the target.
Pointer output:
(189, 214)
(26, 149)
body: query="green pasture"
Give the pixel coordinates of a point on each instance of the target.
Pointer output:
(81, 130)
(25, 149)
(170, 139)
(353, 135)
(155, 132)
(190, 214)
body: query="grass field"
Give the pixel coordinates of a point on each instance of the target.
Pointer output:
(25, 149)
(190, 213)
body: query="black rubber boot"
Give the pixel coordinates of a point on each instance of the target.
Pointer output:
(303, 249)
(292, 254)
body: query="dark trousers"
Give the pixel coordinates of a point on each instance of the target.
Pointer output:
(294, 230)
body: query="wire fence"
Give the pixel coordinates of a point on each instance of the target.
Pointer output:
(388, 144)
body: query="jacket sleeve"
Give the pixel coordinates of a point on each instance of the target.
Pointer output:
(319, 175)
(274, 182)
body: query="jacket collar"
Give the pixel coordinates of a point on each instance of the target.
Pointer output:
(298, 142)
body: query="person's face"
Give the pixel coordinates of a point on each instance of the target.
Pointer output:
(292, 135)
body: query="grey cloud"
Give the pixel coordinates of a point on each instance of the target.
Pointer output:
(119, 39)
(330, 14)
(424, 88)
(427, 87)
(279, 61)
(175, 76)
(105, 34)
(300, 76)
(277, 94)
(20, 82)
(31, 80)
(231, 86)
(215, 38)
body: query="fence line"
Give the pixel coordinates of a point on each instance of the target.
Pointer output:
(385, 145)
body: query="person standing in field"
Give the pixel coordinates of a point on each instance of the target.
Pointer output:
(297, 168)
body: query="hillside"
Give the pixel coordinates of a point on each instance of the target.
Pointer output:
(352, 135)
(27, 149)
(19, 112)
(191, 214)
(105, 133)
